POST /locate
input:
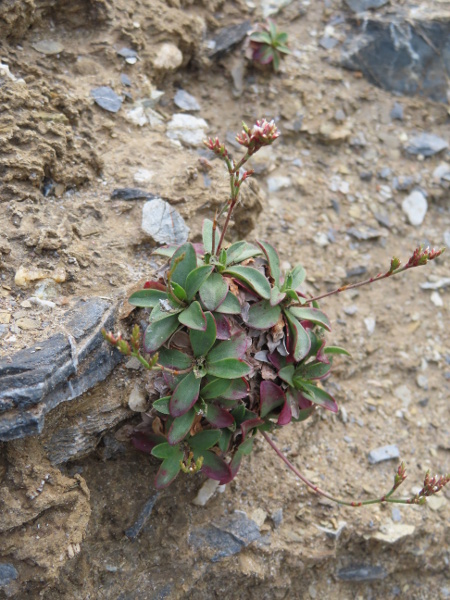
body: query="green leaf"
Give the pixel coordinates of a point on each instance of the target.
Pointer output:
(276, 60)
(292, 295)
(193, 317)
(214, 389)
(203, 341)
(158, 333)
(282, 37)
(272, 29)
(240, 251)
(180, 427)
(316, 395)
(313, 371)
(168, 470)
(185, 266)
(205, 439)
(276, 297)
(167, 251)
(147, 298)
(185, 395)
(230, 306)
(238, 389)
(262, 37)
(174, 359)
(246, 447)
(314, 315)
(225, 438)
(287, 373)
(162, 406)
(165, 309)
(236, 347)
(282, 48)
(262, 315)
(253, 278)
(298, 275)
(178, 291)
(335, 350)
(228, 368)
(301, 340)
(165, 450)
(195, 279)
(273, 260)
(213, 291)
(207, 234)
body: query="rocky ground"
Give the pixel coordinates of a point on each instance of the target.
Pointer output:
(98, 96)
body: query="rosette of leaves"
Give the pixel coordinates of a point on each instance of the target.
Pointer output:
(250, 356)
(269, 45)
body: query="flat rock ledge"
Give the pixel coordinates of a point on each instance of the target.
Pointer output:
(36, 380)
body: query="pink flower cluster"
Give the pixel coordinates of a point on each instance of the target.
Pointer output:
(262, 134)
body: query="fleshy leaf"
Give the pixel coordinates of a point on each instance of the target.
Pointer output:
(213, 291)
(240, 251)
(215, 388)
(196, 278)
(164, 309)
(250, 424)
(146, 441)
(180, 427)
(271, 397)
(317, 395)
(158, 333)
(218, 417)
(287, 373)
(239, 388)
(165, 450)
(335, 350)
(178, 291)
(147, 298)
(228, 368)
(314, 315)
(193, 317)
(162, 405)
(296, 277)
(301, 342)
(215, 467)
(276, 296)
(168, 470)
(167, 251)
(202, 341)
(273, 259)
(285, 416)
(262, 315)
(223, 326)
(185, 395)
(207, 235)
(174, 359)
(236, 347)
(205, 439)
(185, 266)
(253, 278)
(316, 370)
(230, 306)
(225, 438)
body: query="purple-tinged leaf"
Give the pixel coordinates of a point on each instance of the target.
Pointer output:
(174, 359)
(205, 439)
(218, 417)
(185, 266)
(253, 278)
(236, 347)
(314, 315)
(168, 470)
(159, 332)
(273, 259)
(262, 315)
(203, 341)
(193, 317)
(320, 355)
(228, 368)
(277, 360)
(185, 395)
(276, 297)
(196, 278)
(180, 427)
(230, 306)
(213, 291)
(238, 389)
(319, 396)
(215, 467)
(148, 298)
(223, 326)
(215, 388)
(250, 424)
(285, 416)
(271, 396)
(301, 342)
(145, 442)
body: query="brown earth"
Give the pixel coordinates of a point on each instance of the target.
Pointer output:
(53, 137)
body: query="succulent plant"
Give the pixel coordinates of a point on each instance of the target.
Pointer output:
(268, 45)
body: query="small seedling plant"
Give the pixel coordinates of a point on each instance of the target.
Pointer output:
(268, 45)
(236, 349)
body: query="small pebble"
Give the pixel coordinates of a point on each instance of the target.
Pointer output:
(186, 101)
(397, 112)
(415, 207)
(370, 323)
(436, 299)
(383, 453)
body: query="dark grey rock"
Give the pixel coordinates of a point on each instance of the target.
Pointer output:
(226, 38)
(125, 80)
(328, 42)
(356, 271)
(132, 194)
(106, 98)
(163, 223)
(397, 112)
(426, 144)
(277, 517)
(383, 220)
(33, 381)
(366, 175)
(383, 453)
(362, 5)
(364, 234)
(403, 184)
(7, 574)
(362, 573)
(402, 54)
(227, 536)
(385, 173)
(186, 101)
(133, 531)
